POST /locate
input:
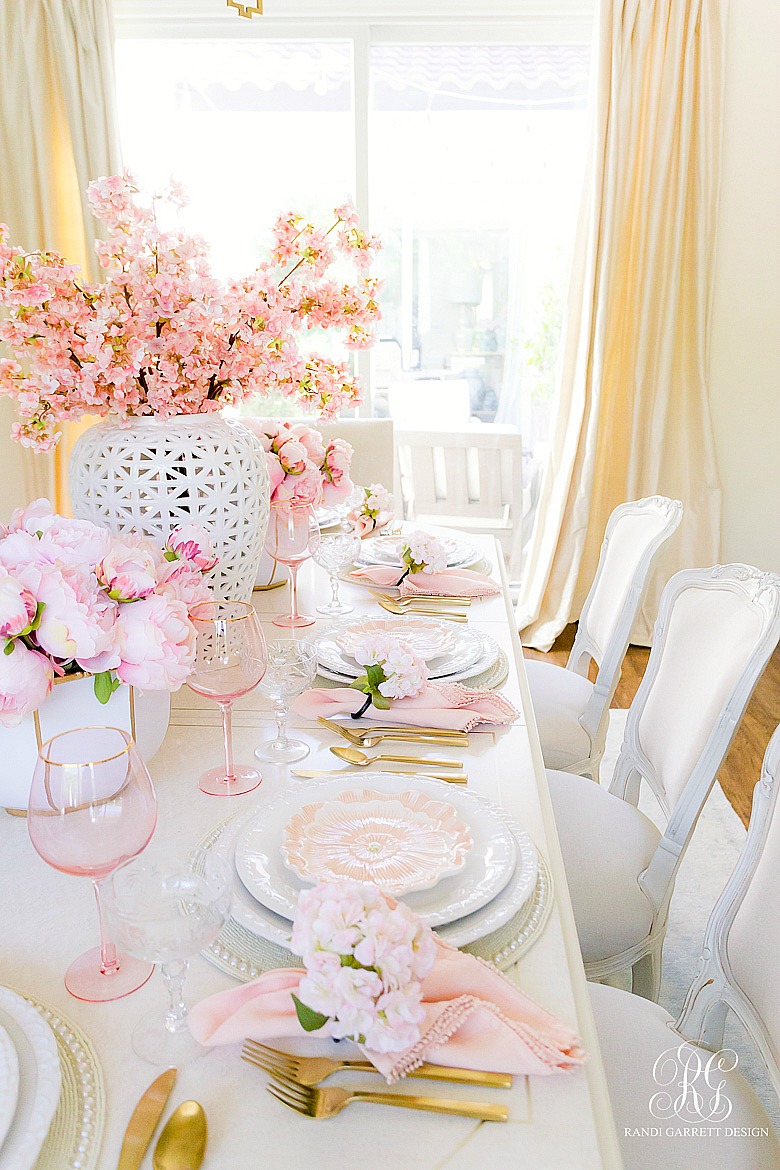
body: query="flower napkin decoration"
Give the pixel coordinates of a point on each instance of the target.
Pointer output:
(423, 553)
(372, 511)
(393, 671)
(365, 958)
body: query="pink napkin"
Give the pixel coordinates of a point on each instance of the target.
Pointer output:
(364, 526)
(445, 705)
(474, 1018)
(450, 583)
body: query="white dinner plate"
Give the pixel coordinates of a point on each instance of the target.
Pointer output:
(427, 637)
(327, 517)
(506, 903)
(386, 550)
(489, 865)
(40, 1081)
(9, 1082)
(466, 647)
(489, 654)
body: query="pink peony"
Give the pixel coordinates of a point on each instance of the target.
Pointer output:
(128, 571)
(311, 441)
(275, 472)
(190, 542)
(78, 620)
(179, 581)
(30, 518)
(305, 488)
(25, 681)
(17, 606)
(156, 644)
(335, 471)
(293, 457)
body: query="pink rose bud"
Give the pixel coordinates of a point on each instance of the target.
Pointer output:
(191, 543)
(17, 606)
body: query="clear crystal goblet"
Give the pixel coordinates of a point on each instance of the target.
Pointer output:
(165, 910)
(336, 554)
(292, 666)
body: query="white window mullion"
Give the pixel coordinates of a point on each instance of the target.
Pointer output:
(361, 96)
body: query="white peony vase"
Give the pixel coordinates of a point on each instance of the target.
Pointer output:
(154, 474)
(72, 704)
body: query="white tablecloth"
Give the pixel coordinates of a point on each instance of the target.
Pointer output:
(561, 1122)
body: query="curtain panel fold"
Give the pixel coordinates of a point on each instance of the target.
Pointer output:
(57, 133)
(632, 412)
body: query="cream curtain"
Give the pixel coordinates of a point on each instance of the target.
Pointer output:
(57, 132)
(633, 416)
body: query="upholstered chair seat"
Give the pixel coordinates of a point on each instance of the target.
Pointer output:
(611, 910)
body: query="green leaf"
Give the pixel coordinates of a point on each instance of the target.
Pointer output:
(170, 555)
(380, 701)
(361, 683)
(38, 615)
(309, 1020)
(104, 685)
(375, 675)
(9, 648)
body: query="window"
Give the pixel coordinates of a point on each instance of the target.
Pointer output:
(462, 142)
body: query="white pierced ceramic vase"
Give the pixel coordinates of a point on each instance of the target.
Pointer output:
(71, 704)
(153, 474)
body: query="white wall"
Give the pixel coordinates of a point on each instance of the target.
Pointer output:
(745, 354)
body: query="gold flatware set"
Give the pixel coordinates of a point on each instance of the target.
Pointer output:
(294, 1080)
(353, 755)
(425, 605)
(373, 736)
(182, 1143)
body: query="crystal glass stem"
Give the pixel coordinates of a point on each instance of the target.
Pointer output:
(227, 733)
(174, 974)
(108, 959)
(281, 712)
(334, 585)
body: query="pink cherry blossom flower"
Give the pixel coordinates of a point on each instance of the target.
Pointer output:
(190, 542)
(25, 680)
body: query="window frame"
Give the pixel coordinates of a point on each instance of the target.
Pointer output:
(365, 23)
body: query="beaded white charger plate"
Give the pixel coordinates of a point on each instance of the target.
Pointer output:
(244, 955)
(9, 1082)
(69, 1067)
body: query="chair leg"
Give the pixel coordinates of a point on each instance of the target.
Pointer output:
(646, 976)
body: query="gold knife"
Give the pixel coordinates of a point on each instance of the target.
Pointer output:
(314, 774)
(143, 1123)
(396, 729)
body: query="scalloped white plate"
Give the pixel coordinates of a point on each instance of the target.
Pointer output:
(489, 864)
(9, 1082)
(40, 1081)
(386, 550)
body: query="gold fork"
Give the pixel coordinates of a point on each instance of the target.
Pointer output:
(321, 1103)
(413, 598)
(422, 611)
(312, 1070)
(373, 736)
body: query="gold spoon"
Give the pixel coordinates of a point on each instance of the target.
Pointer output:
(182, 1144)
(355, 756)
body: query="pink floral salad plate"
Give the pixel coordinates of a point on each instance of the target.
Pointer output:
(425, 636)
(268, 883)
(402, 842)
(386, 550)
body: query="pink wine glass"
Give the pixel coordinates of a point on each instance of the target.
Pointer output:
(230, 660)
(293, 535)
(92, 808)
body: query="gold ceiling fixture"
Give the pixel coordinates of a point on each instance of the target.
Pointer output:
(247, 10)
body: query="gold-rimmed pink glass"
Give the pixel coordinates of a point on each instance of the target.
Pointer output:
(292, 536)
(92, 808)
(230, 660)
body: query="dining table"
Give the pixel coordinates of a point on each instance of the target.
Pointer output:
(558, 1122)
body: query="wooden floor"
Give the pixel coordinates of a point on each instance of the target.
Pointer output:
(742, 766)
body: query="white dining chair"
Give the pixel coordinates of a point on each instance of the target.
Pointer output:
(572, 713)
(662, 1073)
(715, 632)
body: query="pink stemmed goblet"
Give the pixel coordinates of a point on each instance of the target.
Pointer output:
(230, 660)
(293, 535)
(92, 808)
